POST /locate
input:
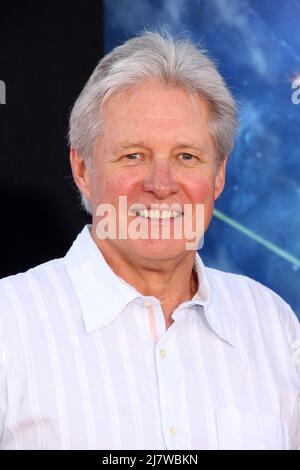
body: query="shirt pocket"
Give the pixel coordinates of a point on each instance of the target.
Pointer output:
(250, 431)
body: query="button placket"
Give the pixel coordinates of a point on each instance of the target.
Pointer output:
(166, 380)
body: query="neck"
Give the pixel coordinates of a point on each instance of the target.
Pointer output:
(172, 282)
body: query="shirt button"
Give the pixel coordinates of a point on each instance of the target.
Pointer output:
(146, 303)
(163, 353)
(172, 430)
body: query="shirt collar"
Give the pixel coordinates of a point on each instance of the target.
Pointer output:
(213, 306)
(103, 295)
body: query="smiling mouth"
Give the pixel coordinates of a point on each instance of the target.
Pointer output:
(156, 214)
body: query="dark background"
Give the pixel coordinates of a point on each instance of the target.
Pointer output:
(47, 52)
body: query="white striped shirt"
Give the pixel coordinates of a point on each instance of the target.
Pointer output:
(87, 362)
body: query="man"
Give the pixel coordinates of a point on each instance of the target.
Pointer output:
(129, 342)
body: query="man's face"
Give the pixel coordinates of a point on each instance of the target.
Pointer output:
(156, 149)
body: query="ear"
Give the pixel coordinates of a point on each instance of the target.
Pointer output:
(80, 173)
(220, 177)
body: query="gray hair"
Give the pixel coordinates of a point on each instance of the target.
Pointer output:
(152, 56)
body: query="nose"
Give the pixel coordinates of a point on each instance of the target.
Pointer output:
(161, 180)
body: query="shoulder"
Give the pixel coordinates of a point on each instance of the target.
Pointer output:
(241, 287)
(37, 271)
(250, 300)
(20, 290)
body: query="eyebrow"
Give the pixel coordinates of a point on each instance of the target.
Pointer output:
(190, 145)
(126, 145)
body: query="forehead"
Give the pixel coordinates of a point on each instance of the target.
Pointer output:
(154, 104)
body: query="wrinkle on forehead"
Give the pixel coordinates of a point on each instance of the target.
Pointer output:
(198, 104)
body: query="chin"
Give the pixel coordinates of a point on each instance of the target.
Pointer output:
(160, 249)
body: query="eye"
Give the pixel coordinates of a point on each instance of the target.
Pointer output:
(133, 156)
(187, 157)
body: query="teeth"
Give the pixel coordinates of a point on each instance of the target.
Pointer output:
(157, 214)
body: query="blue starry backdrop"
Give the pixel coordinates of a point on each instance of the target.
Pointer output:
(256, 44)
